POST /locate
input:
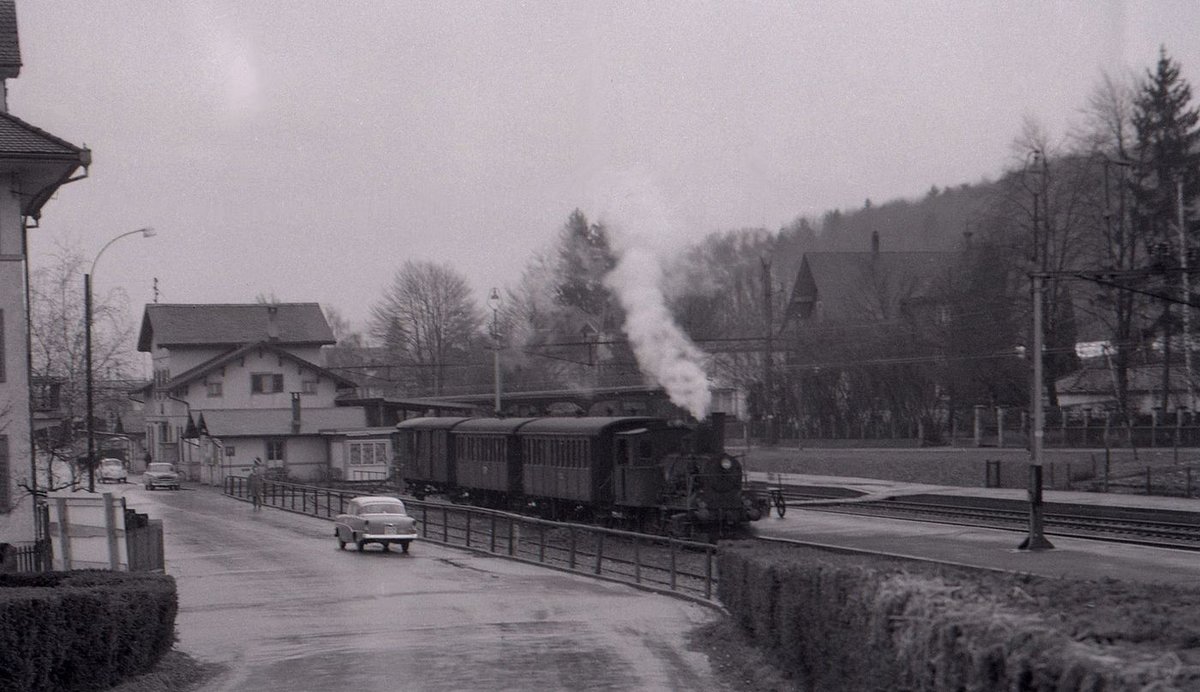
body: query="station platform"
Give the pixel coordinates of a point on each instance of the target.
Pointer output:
(995, 549)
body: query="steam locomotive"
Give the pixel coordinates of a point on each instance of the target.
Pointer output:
(640, 472)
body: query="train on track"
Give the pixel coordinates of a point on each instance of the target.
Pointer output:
(637, 472)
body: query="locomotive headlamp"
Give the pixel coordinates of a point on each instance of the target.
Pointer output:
(726, 463)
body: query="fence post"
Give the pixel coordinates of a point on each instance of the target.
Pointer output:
(512, 530)
(445, 525)
(469, 513)
(571, 562)
(599, 553)
(1148, 487)
(492, 547)
(637, 559)
(671, 543)
(542, 543)
(708, 572)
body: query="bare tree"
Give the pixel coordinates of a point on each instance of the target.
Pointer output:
(59, 362)
(426, 319)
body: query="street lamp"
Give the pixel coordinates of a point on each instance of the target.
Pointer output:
(493, 302)
(87, 325)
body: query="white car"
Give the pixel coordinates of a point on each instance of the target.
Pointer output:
(112, 471)
(160, 475)
(375, 519)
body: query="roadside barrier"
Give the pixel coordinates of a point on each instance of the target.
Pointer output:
(671, 565)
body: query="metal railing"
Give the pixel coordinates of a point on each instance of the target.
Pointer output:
(659, 562)
(32, 556)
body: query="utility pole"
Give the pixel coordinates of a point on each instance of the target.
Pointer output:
(768, 370)
(1187, 295)
(1036, 540)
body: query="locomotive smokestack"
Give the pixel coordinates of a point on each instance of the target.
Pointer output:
(718, 431)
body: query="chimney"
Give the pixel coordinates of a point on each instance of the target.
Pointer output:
(272, 323)
(295, 412)
(874, 242)
(718, 424)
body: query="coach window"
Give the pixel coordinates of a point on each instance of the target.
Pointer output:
(645, 450)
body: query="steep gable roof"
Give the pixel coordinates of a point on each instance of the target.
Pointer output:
(295, 324)
(202, 370)
(10, 45)
(864, 285)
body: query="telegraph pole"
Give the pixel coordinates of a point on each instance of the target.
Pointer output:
(768, 370)
(1036, 540)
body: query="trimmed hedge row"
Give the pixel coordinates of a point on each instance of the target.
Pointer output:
(83, 630)
(844, 622)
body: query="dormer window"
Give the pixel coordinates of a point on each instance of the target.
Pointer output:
(213, 389)
(266, 383)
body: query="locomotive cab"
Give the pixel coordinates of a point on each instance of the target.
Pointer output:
(638, 478)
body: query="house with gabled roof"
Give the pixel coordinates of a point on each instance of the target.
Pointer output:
(864, 286)
(236, 383)
(34, 164)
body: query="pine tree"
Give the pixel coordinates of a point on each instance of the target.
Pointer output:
(1167, 137)
(1165, 123)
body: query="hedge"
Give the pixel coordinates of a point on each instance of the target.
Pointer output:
(836, 621)
(83, 630)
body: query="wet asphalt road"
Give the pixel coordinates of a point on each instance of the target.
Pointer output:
(270, 596)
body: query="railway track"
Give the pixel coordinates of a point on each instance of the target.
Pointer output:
(1175, 530)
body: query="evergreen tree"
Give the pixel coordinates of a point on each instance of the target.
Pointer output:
(1165, 123)
(584, 257)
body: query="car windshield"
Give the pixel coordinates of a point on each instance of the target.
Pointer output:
(160, 468)
(111, 463)
(382, 508)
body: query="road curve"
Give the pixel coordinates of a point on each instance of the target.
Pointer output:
(268, 595)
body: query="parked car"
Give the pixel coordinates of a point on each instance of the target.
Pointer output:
(375, 519)
(160, 475)
(112, 471)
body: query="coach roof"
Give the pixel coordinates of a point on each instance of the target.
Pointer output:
(492, 425)
(586, 425)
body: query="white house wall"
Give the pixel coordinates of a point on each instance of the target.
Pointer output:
(16, 506)
(235, 380)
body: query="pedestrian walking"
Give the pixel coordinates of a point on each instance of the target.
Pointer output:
(256, 486)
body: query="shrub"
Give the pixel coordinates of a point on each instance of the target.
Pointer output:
(839, 621)
(83, 630)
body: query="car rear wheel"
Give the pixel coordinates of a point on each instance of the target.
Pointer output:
(360, 544)
(404, 546)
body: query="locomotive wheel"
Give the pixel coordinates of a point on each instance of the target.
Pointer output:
(780, 504)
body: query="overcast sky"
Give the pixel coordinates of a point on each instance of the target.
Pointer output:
(306, 149)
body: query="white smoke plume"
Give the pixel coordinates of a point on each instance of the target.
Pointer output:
(640, 231)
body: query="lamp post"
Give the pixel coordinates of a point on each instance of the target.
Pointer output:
(87, 325)
(494, 303)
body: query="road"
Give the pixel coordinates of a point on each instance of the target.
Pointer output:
(269, 595)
